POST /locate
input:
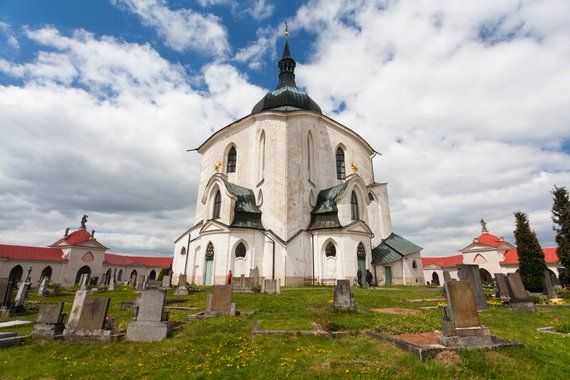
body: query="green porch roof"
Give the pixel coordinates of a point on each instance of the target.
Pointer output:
(246, 213)
(325, 213)
(392, 249)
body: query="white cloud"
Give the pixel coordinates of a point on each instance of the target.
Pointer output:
(260, 9)
(468, 102)
(9, 36)
(260, 51)
(181, 29)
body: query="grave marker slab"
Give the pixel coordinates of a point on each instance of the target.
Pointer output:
(548, 288)
(76, 309)
(343, 298)
(42, 289)
(470, 272)
(446, 276)
(49, 322)
(166, 281)
(271, 286)
(150, 322)
(5, 292)
(182, 288)
(93, 314)
(254, 273)
(502, 285)
(219, 301)
(520, 300)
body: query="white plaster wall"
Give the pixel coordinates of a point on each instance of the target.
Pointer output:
(37, 268)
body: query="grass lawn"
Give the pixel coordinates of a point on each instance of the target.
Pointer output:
(223, 347)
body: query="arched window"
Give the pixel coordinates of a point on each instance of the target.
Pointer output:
(354, 214)
(183, 251)
(232, 160)
(83, 270)
(240, 250)
(330, 250)
(340, 167)
(46, 272)
(120, 275)
(414, 264)
(15, 275)
(133, 280)
(310, 158)
(152, 275)
(370, 196)
(261, 159)
(217, 205)
(210, 252)
(360, 251)
(107, 278)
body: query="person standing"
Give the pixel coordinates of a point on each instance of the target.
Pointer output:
(369, 279)
(359, 277)
(229, 278)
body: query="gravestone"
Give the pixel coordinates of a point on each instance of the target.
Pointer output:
(112, 281)
(502, 285)
(461, 326)
(20, 299)
(470, 272)
(548, 288)
(520, 299)
(83, 281)
(446, 276)
(271, 286)
(343, 298)
(219, 301)
(93, 314)
(5, 292)
(242, 284)
(166, 281)
(182, 288)
(88, 321)
(254, 273)
(49, 322)
(140, 283)
(77, 308)
(42, 289)
(151, 321)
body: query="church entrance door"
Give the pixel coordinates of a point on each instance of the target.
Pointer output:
(362, 267)
(388, 275)
(209, 272)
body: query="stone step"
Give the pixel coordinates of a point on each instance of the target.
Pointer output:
(5, 342)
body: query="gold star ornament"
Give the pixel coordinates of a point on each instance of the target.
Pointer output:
(354, 167)
(218, 165)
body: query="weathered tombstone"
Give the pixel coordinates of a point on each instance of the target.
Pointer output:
(112, 281)
(502, 285)
(219, 301)
(77, 308)
(42, 289)
(83, 280)
(460, 319)
(151, 321)
(548, 288)
(343, 298)
(242, 284)
(271, 286)
(166, 281)
(49, 322)
(141, 283)
(470, 272)
(446, 276)
(254, 273)
(90, 323)
(182, 288)
(21, 295)
(5, 292)
(520, 299)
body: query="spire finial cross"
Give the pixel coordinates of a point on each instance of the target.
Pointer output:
(286, 30)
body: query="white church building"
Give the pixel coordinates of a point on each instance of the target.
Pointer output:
(292, 192)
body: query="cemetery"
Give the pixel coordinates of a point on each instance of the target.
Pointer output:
(402, 332)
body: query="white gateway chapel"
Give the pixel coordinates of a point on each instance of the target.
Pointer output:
(292, 192)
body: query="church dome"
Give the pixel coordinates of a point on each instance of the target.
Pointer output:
(286, 96)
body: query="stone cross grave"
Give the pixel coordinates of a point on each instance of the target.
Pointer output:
(42, 289)
(343, 298)
(520, 299)
(548, 288)
(461, 326)
(181, 289)
(254, 273)
(219, 301)
(502, 285)
(271, 286)
(49, 322)
(151, 321)
(470, 272)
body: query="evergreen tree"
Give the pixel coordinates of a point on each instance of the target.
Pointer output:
(561, 219)
(531, 257)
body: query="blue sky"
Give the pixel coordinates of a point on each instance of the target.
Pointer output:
(99, 100)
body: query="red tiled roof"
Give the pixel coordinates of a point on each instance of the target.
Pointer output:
(78, 237)
(443, 262)
(126, 260)
(512, 256)
(490, 239)
(20, 252)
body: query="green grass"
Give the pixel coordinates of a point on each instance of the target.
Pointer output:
(223, 347)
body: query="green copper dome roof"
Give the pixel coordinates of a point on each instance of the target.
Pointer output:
(287, 96)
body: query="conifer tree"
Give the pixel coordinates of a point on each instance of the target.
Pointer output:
(531, 257)
(561, 219)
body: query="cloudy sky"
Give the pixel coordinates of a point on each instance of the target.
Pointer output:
(468, 102)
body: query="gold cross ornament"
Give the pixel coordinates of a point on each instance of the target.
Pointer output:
(218, 165)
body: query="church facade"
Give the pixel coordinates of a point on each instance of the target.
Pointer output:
(292, 192)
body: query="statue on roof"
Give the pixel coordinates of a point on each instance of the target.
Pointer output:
(83, 221)
(483, 225)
